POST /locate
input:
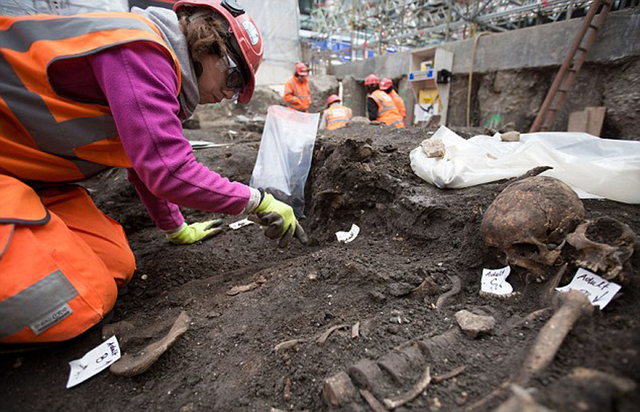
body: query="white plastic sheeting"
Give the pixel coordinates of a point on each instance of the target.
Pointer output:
(60, 7)
(592, 166)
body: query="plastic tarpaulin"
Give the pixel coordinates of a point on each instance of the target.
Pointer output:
(285, 155)
(592, 166)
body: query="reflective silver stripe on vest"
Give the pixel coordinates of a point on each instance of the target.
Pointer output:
(21, 34)
(385, 107)
(300, 96)
(34, 303)
(395, 123)
(59, 138)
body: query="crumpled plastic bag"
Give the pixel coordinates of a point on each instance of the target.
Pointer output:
(285, 155)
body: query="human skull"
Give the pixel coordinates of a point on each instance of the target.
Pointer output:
(529, 220)
(605, 246)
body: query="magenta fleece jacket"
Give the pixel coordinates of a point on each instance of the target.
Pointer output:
(140, 85)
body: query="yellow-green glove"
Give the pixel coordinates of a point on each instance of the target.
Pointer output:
(196, 231)
(279, 220)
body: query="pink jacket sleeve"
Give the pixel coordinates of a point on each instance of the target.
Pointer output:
(140, 85)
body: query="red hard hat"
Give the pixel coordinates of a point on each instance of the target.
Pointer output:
(385, 83)
(332, 99)
(246, 39)
(371, 80)
(301, 69)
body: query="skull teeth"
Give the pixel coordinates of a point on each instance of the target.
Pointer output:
(587, 265)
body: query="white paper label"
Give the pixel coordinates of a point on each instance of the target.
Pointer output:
(494, 281)
(598, 290)
(94, 361)
(240, 223)
(346, 237)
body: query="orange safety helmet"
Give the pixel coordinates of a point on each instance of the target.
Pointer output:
(332, 99)
(385, 83)
(246, 40)
(371, 80)
(301, 69)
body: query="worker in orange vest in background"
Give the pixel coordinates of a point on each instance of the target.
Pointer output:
(386, 85)
(297, 95)
(380, 105)
(336, 116)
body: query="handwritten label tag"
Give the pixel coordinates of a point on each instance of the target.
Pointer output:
(494, 281)
(346, 237)
(598, 290)
(95, 361)
(240, 223)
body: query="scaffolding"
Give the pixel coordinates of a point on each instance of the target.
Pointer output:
(348, 30)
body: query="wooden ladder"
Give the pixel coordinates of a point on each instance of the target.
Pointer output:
(571, 65)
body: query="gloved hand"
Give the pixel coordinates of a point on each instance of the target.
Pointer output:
(196, 231)
(279, 219)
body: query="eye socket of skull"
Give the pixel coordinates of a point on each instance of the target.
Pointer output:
(604, 230)
(525, 249)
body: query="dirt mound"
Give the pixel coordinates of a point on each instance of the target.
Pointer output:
(416, 244)
(226, 112)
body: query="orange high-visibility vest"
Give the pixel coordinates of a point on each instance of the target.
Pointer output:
(45, 136)
(337, 116)
(387, 111)
(293, 88)
(399, 103)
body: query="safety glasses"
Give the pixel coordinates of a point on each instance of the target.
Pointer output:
(234, 80)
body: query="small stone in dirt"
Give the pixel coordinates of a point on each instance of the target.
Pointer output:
(377, 296)
(433, 148)
(473, 325)
(510, 136)
(188, 407)
(461, 398)
(393, 329)
(213, 314)
(338, 389)
(400, 289)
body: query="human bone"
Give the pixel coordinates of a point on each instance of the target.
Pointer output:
(605, 246)
(529, 221)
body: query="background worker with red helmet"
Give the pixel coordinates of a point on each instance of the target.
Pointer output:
(380, 106)
(297, 95)
(386, 85)
(90, 92)
(336, 115)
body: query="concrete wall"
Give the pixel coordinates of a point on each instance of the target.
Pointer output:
(514, 70)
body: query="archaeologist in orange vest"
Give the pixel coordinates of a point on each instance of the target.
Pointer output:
(380, 105)
(91, 92)
(297, 95)
(386, 85)
(335, 115)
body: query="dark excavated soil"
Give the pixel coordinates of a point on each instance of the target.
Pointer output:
(409, 230)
